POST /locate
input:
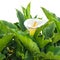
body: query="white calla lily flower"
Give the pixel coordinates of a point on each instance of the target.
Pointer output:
(33, 24)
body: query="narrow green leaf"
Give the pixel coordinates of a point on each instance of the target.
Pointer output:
(21, 20)
(35, 16)
(24, 12)
(28, 11)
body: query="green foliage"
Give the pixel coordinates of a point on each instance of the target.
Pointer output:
(55, 50)
(28, 43)
(26, 11)
(28, 56)
(10, 25)
(51, 56)
(21, 20)
(5, 40)
(49, 31)
(2, 56)
(41, 28)
(52, 17)
(56, 37)
(20, 49)
(3, 28)
(17, 44)
(42, 42)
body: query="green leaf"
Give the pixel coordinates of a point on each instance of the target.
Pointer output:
(35, 16)
(41, 28)
(58, 19)
(48, 14)
(55, 50)
(56, 37)
(49, 31)
(52, 17)
(20, 49)
(17, 24)
(4, 28)
(2, 56)
(28, 42)
(19, 54)
(28, 56)
(5, 40)
(41, 42)
(51, 56)
(24, 12)
(28, 11)
(58, 25)
(21, 20)
(1, 34)
(10, 25)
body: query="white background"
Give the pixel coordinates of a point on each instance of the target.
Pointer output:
(7, 8)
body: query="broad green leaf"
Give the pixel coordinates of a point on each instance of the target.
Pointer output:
(3, 28)
(5, 40)
(52, 17)
(10, 25)
(48, 14)
(50, 56)
(21, 20)
(55, 50)
(28, 43)
(49, 31)
(56, 37)
(2, 56)
(41, 42)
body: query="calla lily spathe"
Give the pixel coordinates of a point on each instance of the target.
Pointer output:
(33, 24)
